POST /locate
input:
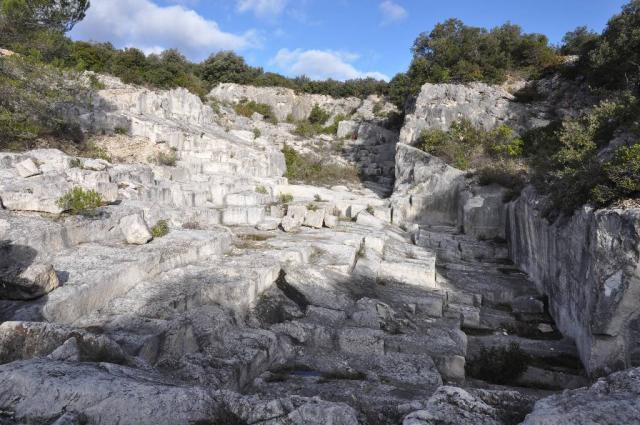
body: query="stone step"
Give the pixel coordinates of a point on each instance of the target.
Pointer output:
(93, 274)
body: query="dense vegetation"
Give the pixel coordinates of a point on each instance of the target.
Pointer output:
(308, 170)
(562, 160)
(456, 53)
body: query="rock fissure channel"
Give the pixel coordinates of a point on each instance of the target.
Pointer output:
(207, 288)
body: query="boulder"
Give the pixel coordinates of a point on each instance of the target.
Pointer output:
(611, 400)
(32, 282)
(347, 129)
(330, 221)
(366, 219)
(314, 219)
(135, 229)
(295, 217)
(454, 406)
(27, 168)
(268, 224)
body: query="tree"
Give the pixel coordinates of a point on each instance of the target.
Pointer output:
(614, 62)
(227, 67)
(578, 41)
(21, 18)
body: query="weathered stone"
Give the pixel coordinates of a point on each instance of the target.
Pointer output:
(361, 341)
(611, 400)
(330, 221)
(27, 168)
(269, 224)
(454, 406)
(347, 129)
(527, 305)
(588, 264)
(135, 229)
(34, 281)
(314, 219)
(427, 190)
(366, 219)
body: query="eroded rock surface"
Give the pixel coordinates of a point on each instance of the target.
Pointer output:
(323, 310)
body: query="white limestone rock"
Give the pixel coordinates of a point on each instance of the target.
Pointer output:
(366, 219)
(588, 265)
(347, 129)
(268, 224)
(34, 281)
(27, 168)
(610, 401)
(314, 219)
(427, 190)
(25, 201)
(295, 217)
(330, 221)
(135, 229)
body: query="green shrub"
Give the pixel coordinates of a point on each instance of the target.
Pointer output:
(262, 190)
(622, 177)
(121, 130)
(305, 169)
(91, 150)
(318, 115)
(464, 146)
(564, 162)
(168, 159)
(256, 133)
(79, 201)
(248, 108)
(285, 198)
(500, 365)
(307, 129)
(33, 97)
(160, 229)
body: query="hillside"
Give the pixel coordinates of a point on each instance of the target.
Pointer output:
(459, 246)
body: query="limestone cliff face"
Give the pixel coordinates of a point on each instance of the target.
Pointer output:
(287, 103)
(588, 264)
(440, 105)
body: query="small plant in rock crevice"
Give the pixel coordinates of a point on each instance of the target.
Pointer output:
(79, 201)
(160, 229)
(285, 198)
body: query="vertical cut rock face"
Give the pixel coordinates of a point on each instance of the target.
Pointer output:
(587, 264)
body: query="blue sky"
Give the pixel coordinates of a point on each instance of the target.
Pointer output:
(320, 38)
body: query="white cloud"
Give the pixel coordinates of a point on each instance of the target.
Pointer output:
(321, 64)
(262, 8)
(392, 12)
(148, 26)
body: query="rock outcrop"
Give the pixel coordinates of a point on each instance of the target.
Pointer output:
(286, 103)
(250, 310)
(587, 265)
(611, 400)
